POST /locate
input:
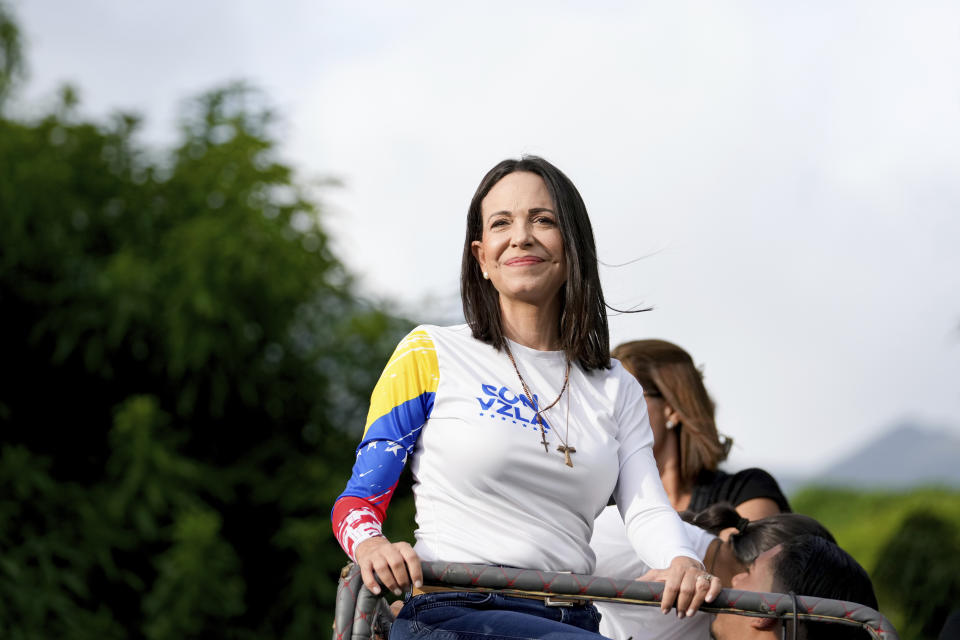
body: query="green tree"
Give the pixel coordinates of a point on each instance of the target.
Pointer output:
(918, 573)
(887, 532)
(11, 56)
(185, 374)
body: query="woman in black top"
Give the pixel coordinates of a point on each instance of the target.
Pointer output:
(687, 446)
(687, 449)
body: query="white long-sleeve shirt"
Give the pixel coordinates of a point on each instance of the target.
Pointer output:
(485, 490)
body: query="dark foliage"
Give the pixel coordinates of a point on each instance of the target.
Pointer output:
(184, 376)
(918, 573)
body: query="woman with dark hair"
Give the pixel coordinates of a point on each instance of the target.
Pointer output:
(471, 407)
(739, 543)
(687, 446)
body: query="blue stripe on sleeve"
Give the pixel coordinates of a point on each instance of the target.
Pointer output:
(385, 447)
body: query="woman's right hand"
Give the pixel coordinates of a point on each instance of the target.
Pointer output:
(395, 563)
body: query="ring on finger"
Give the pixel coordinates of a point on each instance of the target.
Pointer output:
(705, 576)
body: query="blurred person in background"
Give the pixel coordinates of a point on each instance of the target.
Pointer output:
(728, 544)
(807, 565)
(688, 450)
(687, 445)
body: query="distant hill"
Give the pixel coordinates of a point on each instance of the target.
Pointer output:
(905, 456)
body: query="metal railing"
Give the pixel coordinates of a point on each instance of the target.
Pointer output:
(359, 613)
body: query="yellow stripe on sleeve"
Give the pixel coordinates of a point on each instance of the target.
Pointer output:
(411, 371)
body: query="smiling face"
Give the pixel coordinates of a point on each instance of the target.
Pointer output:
(521, 247)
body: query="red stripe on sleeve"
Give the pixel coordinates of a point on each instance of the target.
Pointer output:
(358, 519)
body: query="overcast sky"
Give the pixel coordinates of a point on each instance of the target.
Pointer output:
(789, 173)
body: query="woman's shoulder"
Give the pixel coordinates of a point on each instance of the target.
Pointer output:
(618, 391)
(432, 333)
(754, 482)
(615, 372)
(753, 474)
(621, 381)
(455, 331)
(756, 478)
(454, 341)
(738, 487)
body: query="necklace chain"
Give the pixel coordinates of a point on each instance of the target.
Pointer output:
(563, 448)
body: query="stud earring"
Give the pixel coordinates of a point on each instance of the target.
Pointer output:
(671, 424)
(486, 276)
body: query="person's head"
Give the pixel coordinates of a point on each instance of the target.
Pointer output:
(742, 540)
(809, 566)
(678, 403)
(528, 231)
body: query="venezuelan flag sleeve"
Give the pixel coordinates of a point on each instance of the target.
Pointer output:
(401, 403)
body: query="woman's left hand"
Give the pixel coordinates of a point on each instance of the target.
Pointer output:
(687, 583)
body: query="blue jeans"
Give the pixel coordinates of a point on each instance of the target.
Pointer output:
(458, 615)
